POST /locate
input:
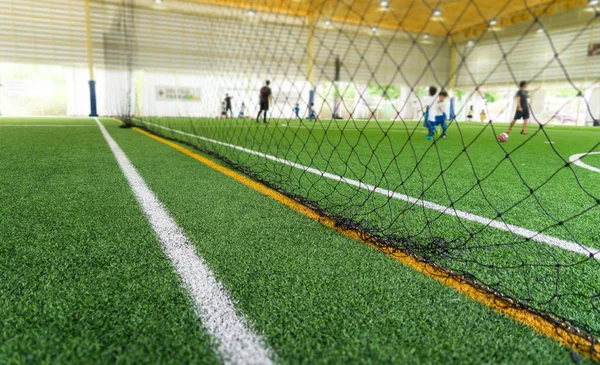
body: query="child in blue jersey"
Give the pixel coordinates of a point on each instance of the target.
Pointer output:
(297, 110)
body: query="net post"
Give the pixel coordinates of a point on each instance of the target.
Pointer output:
(93, 110)
(311, 102)
(336, 84)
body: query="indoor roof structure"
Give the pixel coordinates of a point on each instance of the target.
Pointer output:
(467, 18)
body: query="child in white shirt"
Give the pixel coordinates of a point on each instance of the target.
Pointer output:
(243, 110)
(428, 104)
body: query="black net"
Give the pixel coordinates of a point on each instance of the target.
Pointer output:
(348, 126)
(119, 45)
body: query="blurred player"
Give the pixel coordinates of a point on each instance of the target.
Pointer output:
(243, 110)
(441, 110)
(266, 97)
(228, 108)
(470, 114)
(483, 116)
(429, 120)
(313, 114)
(223, 110)
(522, 108)
(297, 110)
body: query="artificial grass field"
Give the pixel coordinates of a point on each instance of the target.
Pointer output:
(83, 278)
(533, 188)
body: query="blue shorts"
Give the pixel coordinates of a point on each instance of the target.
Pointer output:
(440, 119)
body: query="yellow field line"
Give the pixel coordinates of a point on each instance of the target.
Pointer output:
(504, 306)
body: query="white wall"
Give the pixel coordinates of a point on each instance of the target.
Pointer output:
(594, 106)
(78, 92)
(225, 51)
(531, 55)
(43, 32)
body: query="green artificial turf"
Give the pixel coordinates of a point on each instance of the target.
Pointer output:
(525, 182)
(82, 277)
(318, 296)
(46, 121)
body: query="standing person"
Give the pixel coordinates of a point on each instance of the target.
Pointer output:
(297, 110)
(470, 114)
(441, 109)
(243, 110)
(228, 108)
(313, 114)
(429, 122)
(483, 116)
(223, 110)
(522, 108)
(266, 97)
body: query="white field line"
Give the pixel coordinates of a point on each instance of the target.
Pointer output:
(47, 125)
(520, 231)
(236, 342)
(576, 159)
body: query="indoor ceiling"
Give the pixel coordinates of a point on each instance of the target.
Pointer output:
(467, 18)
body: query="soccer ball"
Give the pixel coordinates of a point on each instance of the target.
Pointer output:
(503, 137)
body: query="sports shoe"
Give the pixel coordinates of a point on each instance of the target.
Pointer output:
(508, 131)
(444, 136)
(523, 132)
(429, 138)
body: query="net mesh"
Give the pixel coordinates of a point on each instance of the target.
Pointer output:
(351, 129)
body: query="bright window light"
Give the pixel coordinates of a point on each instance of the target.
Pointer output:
(384, 3)
(437, 12)
(493, 22)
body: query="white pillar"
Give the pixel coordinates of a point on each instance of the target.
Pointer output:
(594, 105)
(405, 105)
(537, 104)
(78, 92)
(510, 107)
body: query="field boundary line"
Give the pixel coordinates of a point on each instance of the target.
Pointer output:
(576, 160)
(535, 321)
(520, 231)
(236, 341)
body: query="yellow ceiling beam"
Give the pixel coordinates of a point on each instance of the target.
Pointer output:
(367, 13)
(258, 6)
